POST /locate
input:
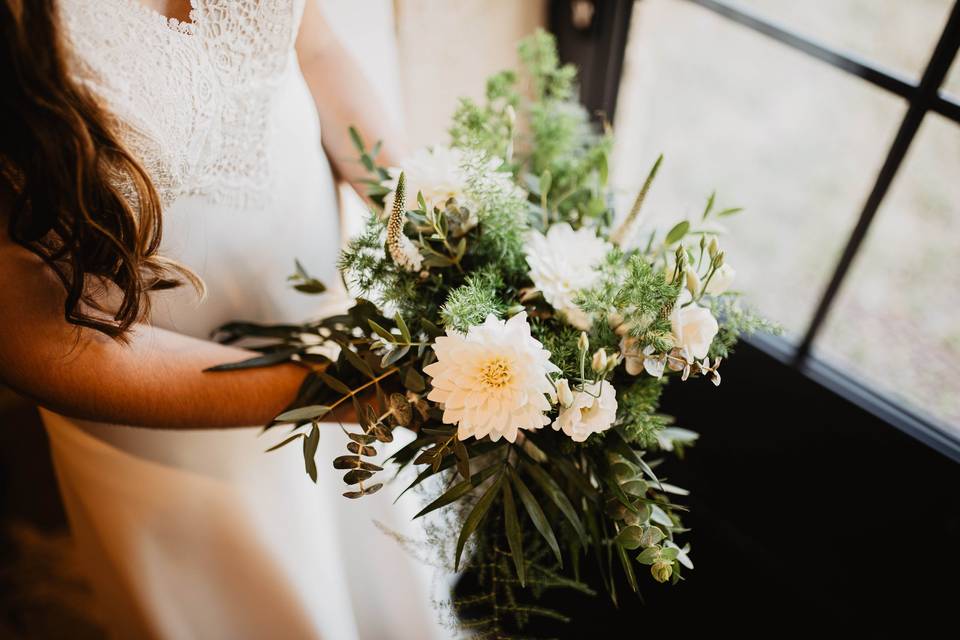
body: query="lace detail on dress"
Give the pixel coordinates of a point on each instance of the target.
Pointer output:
(192, 99)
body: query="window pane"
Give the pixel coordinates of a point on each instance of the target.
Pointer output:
(951, 84)
(794, 141)
(897, 34)
(896, 322)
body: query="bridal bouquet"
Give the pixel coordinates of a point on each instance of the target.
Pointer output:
(525, 341)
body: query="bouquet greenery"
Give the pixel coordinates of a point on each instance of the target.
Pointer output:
(523, 339)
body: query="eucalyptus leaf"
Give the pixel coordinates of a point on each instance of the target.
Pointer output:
(651, 536)
(649, 555)
(383, 333)
(284, 443)
(630, 537)
(310, 452)
(334, 383)
(302, 414)
(265, 360)
(404, 331)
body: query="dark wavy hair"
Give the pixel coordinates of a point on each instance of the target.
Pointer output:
(67, 171)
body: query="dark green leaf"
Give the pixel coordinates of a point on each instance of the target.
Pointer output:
(302, 414)
(286, 442)
(333, 383)
(514, 536)
(536, 515)
(475, 517)
(383, 333)
(458, 490)
(627, 568)
(553, 490)
(310, 452)
(463, 458)
(394, 355)
(404, 331)
(357, 362)
(265, 360)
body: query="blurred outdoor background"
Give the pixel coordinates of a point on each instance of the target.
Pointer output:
(798, 144)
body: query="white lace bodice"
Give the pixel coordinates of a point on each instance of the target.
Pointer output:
(192, 100)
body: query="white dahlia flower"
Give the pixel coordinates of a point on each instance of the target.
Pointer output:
(436, 172)
(593, 410)
(493, 380)
(563, 262)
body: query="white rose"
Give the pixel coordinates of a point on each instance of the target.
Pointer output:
(721, 280)
(693, 326)
(588, 413)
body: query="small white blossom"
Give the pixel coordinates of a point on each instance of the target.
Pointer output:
(693, 327)
(493, 380)
(564, 262)
(594, 409)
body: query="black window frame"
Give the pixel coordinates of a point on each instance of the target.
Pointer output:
(594, 37)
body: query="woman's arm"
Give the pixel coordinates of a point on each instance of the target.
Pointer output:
(157, 380)
(344, 98)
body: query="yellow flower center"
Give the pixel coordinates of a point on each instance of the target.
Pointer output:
(496, 373)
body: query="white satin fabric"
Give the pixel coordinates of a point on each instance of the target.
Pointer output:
(200, 533)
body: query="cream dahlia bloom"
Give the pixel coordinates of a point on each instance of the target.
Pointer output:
(563, 262)
(693, 326)
(593, 410)
(493, 380)
(436, 172)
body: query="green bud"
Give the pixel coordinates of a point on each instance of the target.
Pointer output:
(661, 571)
(718, 261)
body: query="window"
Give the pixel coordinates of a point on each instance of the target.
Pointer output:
(836, 123)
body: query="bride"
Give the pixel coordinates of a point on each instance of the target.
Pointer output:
(119, 118)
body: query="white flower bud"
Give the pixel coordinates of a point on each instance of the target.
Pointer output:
(584, 342)
(599, 362)
(693, 280)
(511, 114)
(564, 395)
(714, 246)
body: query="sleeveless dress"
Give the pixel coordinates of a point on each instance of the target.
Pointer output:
(200, 533)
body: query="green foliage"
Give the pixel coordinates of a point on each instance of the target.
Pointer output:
(637, 402)
(472, 302)
(735, 320)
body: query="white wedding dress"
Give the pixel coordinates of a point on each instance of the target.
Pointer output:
(199, 533)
